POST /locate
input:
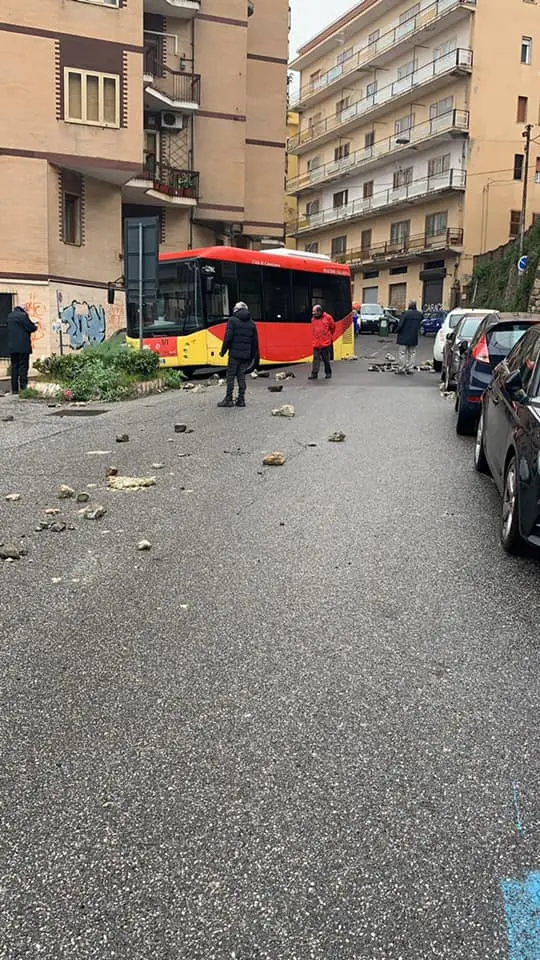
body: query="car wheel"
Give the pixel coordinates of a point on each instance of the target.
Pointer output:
(511, 539)
(437, 366)
(465, 423)
(480, 461)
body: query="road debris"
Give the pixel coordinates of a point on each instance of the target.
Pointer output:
(131, 483)
(12, 497)
(275, 387)
(280, 375)
(8, 551)
(52, 511)
(82, 497)
(157, 466)
(8, 419)
(93, 513)
(122, 437)
(111, 472)
(97, 453)
(276, 459)
(180, 427)
(65, 492)
(144, 545)
(58, 526)
(254, 374)
(189, 386)
(390, 357)
(352, 357)
(264, 374)
(287, 410)
(312, 444)
(337, 437)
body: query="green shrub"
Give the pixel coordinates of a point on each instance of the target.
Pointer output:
(29, 394)
(104, 372)
(173, 379)
(496, 284)
(141, 363)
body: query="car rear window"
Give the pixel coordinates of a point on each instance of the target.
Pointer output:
(371, 309)
(470, 326)
(501, 341)
(453, 321)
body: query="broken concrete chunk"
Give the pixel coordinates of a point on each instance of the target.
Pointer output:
(13, 497)
(144, 545)
(122, 437)
(337, 437)
(275, 387)
(83, 497)
(157, 466)
(287, 410)
(112, 472)
(9, 551)
(281, 375)
(130, 483)
(188, 386)
(52, 511)
(276, 459)
(8, 419)
(65, 492)
(58, 526)
(352, 357)
(180, 427)
(254, 374)
(93, 513)
(263, 373)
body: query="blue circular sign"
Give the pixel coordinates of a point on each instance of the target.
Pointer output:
(522, 264)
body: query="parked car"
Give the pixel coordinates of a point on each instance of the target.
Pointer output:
(508, 441)
(433, 321)
(369, 317)
(490, 345)
(393, 315)
(450, 321)
(457, 341)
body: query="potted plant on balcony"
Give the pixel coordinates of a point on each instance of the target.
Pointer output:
(186, 186)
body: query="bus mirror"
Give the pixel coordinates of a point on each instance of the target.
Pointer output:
(110, 293)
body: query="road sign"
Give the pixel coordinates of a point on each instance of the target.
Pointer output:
(522, 264)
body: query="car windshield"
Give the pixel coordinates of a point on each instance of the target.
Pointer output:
(469, 326)
(501, 340)
(371, 309)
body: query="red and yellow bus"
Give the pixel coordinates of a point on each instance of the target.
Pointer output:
(199, 288)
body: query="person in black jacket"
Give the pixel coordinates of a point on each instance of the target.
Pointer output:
(19, 327)
(407, 338)
(243, 345)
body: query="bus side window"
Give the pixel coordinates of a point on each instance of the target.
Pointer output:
(277, 294)
(334, 295)
(250, 288)
(301, 297)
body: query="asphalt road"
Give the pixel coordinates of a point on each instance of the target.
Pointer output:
(304, 725)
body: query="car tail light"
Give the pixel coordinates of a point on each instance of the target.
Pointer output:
(480, 351)
(475, 399)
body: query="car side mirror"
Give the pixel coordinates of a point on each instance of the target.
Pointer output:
(514, 388)
(463, 347)
(449, 337)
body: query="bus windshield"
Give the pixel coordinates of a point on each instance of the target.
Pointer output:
(178, 308)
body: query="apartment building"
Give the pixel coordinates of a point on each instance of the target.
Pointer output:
(174, 108)
(291, 173)
(411, 147)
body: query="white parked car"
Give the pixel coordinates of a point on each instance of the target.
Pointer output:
(451, 320)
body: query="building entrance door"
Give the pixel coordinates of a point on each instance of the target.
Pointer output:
(6, 306)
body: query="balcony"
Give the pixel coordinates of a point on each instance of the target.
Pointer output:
(418, 190)
(388, 46)
(159, 183)
(168, 89)
(404, 250)
(455, 123)
(457, 63)
(180, 9)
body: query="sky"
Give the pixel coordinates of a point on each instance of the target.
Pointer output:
(310, 16)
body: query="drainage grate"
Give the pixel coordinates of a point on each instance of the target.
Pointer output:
(77, 412)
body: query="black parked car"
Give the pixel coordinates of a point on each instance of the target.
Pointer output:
(491, 343)
(508, 441)
(457, 341)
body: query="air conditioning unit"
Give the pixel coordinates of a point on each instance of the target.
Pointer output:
(172, 121)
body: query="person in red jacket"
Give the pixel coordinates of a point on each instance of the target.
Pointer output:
(323, 329)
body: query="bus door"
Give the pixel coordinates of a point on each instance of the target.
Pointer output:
(275, 331)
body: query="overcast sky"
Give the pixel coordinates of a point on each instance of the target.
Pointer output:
(310, 16)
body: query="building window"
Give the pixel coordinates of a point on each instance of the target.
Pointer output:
(400, 231)
(367, 190)
(313, 123)
(441, 108)
(410, 13)
(526, 50)
(402, 178)
(340, 199)
(365, 239)
(71, 187)
(369, 139)
(404, 124)
(371, 89)
(406, 70)
(445, 48)
(341, 152)
(313, 164)
(344, 55)
(315, 79)
(311, 247)
(397, 294)
(92, 98)
(439, 165)
(522, 106)
(515, 222)
(341, 106)
(519, 160)
(535, 219)
(312, 207)
(373, 37)
(537, 171)
(339, 246)
(436, 224)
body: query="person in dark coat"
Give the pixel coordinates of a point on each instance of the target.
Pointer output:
(407, 338)
(242, 343)
(19, 327)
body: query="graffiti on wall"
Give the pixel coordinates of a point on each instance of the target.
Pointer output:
(83, 323)
(37, 312)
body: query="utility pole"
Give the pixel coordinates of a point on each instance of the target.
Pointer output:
(527, 135)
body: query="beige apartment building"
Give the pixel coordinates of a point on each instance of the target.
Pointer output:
(118, 108)
(411, 147)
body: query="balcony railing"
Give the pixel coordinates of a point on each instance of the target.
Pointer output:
(406, 247)
(427, 18)
(453, 120)
(176, 85)
(408, 193)
(456, 61)
(170, 181)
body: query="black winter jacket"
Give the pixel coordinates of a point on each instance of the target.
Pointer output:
(241, 338)
(20, 327)
(409, 328)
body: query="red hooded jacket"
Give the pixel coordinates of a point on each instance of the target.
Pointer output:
(323, 329)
